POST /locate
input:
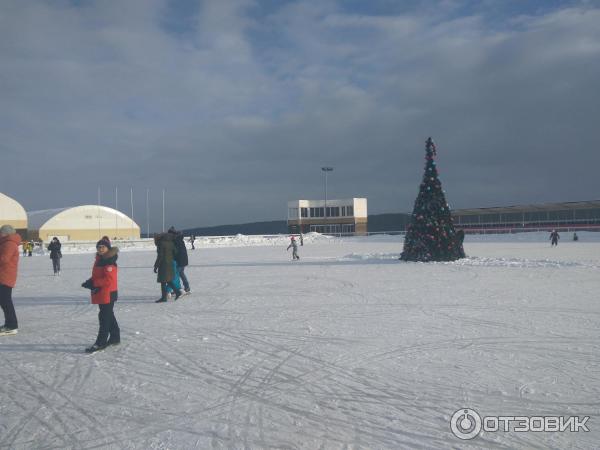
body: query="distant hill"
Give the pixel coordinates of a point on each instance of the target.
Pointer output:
(377, 222)
(273, 227)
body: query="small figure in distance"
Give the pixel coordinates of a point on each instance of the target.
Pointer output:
(294, 246)
(554, 237)
(55, 254)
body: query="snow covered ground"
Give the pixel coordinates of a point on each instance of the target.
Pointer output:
(346, 348)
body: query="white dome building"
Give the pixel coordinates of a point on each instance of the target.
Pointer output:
(12, 213)
(82, 223)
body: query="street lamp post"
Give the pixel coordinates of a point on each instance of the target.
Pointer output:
(326, 170)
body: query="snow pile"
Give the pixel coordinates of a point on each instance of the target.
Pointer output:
(241, 240)
(518, 262)
(371, 256)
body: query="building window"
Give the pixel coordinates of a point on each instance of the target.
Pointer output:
(343, 210)
(348, 228)
(317, 212)
(333, 211)
(293, 213)
(304, 212)
(350, 210)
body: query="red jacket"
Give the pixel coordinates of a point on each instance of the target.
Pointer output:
(104, 276)
(9, 259)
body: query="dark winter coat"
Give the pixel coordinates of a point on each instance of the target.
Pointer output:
(54, 248)
(182, 256)
(104, 276)
(165, 255)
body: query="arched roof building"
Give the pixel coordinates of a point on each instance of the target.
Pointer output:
(12, 213)
(82, 223)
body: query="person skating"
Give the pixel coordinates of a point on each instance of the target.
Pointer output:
(181, 258)
(554, 237)
(192, 241)
(294, 246)
(55, 254)
(163, 266)
(104, 292)
(9, 264)
(575, 237)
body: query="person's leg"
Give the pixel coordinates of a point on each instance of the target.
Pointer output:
(163, 292)
(58, 265)
(177, 290)
(54, 265)
(183, 277)
(104, 317)
(115, 331)
(10, 317)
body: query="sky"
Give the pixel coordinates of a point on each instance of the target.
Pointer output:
(233, 106)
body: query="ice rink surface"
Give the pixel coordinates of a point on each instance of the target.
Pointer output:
(347, 348)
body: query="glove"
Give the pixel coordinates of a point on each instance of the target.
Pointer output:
(95, 290)
(156, 270)
(87, 284)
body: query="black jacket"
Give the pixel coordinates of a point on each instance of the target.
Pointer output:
(182, 257)
(54, 248)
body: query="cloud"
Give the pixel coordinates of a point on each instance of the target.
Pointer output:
(233, 106)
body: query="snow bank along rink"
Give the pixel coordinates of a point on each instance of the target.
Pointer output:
(346, 348)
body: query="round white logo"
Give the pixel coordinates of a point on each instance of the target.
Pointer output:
(465, 424)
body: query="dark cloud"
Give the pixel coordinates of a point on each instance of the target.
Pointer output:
(235, 110)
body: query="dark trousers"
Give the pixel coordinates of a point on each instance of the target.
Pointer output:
(163, 289)
(108, 325)
(56, 264)
(184, 280)
(10, 317)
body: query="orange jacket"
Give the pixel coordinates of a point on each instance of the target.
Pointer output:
(9, 259)
(104, 276)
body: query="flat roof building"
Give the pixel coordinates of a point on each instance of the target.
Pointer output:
(12, 213)
(584, 215)
(81, 223)
(346, 216)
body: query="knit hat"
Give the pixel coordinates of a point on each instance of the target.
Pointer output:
(7, 229)
(104, 242)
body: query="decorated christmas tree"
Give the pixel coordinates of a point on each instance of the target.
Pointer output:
(431, 236)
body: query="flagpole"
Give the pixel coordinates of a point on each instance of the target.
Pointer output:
(117, 209)
(147, 213)
(99, 227)
(132, 221)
